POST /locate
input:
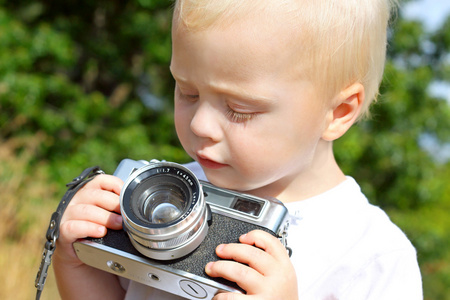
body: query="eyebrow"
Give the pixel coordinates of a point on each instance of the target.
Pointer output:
(243, 94)
(235, 92)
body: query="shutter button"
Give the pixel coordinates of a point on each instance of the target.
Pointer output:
(193, 289)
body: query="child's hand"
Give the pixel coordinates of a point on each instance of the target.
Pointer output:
(94, 208)
(264, 270)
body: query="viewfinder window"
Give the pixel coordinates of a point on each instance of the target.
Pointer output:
(248, 206)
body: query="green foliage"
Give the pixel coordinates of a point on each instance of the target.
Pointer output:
(71, 71)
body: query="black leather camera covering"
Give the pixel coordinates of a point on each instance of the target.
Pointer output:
(223, 230)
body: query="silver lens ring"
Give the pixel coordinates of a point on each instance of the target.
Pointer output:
(163, 207)
(175, 252)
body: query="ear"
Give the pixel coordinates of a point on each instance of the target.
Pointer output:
(345, 111)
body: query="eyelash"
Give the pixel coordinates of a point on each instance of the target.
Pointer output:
(238, 117)
(189, 97)
(232, 115)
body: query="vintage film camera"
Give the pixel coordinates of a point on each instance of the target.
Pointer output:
(172, 224)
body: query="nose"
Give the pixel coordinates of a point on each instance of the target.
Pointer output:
(205, 122)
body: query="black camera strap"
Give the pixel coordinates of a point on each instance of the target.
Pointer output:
(53, 228)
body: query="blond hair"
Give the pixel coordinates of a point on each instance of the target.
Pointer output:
(345, 40)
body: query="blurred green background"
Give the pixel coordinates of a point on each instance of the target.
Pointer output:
(87, 83)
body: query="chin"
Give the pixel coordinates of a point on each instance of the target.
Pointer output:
(231, 183)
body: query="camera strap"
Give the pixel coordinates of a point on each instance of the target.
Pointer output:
(53, 228)
(283, 238)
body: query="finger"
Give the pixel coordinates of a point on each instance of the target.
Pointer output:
(252, 256)
(101, 198)
(108, 183)
(231, 296)
(244, 276)
(70, 232)
(266, 242)
(94, 214)
(75, 229)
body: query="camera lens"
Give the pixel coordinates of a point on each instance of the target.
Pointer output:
(164, 210)
(163, 213)
(164, 204)
(160, 199)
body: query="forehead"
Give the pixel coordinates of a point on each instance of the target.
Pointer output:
(252, 45)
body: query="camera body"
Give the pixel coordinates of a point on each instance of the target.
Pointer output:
(172, 224)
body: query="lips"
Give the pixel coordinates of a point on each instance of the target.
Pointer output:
(210, 164)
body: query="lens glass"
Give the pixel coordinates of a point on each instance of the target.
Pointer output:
(165, 204)
(160, 199)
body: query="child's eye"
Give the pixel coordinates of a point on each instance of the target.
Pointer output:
(187, 96)
(239, 117)
(190, 96)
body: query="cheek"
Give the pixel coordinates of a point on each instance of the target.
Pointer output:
(182, 122)
(250, 147)
(306, 123)
(178, 117)
(276, 143)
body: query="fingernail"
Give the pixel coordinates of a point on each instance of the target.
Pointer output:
(118, 219)
(208, 267)
(219, 248)
(101, 229)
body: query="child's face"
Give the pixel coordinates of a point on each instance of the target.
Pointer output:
(242, 109)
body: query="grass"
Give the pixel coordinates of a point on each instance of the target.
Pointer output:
(27, 201)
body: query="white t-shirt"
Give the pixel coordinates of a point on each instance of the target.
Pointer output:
(343, 248)
(346, 248)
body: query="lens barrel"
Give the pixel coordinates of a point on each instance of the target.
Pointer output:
(164, 211)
